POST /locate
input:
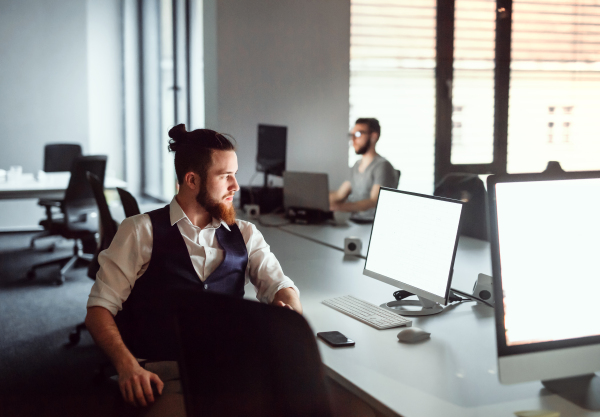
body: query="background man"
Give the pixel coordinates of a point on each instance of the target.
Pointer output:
(150, 256)
(359, 194)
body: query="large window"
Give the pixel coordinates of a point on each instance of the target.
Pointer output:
(554, 85)
(514, 84)
(392, 78)
(171, 73)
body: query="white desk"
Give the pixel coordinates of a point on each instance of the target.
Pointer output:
(332, 234)
(19, 210)
(52, 186)
(452, 374)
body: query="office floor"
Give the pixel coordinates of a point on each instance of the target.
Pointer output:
(38, 375)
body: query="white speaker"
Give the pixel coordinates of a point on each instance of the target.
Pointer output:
(252, 211)
(483, 288)
(352, 245)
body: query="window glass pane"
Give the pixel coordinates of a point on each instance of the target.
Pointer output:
(392, 78)
(167, 105)
(473, 84)
(554, 85)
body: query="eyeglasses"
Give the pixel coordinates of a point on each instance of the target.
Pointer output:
(357, 134)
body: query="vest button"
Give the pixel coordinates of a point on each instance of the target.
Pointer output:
(205, 286)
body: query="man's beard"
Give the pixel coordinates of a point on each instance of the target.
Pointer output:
(363, 149)
(221, 211)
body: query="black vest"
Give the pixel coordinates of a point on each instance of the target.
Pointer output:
(146, 322)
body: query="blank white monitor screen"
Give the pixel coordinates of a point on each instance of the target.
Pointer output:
(549, 240)
(413, 242)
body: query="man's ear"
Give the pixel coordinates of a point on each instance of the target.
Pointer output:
(192, 180)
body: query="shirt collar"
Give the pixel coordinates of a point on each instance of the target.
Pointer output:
(177, 214)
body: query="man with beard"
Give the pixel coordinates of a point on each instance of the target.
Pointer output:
(359, 195)
(180, 247)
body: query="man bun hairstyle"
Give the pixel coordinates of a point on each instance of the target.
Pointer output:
(372, 122)
(193, 150)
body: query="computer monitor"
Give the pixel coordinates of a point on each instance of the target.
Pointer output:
(413, 246)
(270, 158)
(545, 242)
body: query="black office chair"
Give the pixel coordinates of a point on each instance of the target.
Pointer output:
(58, 157)
(108, 230)
(255, 360)
(80, 215)
(130, 205)
(469, 188)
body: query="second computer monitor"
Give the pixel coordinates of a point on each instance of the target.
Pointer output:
(272, 141)
(413, 246)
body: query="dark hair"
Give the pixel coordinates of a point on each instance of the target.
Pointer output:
(372, 122)
(193, 150)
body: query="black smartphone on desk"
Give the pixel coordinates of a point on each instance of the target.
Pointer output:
(335, 339)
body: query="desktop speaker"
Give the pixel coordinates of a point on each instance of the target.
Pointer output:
(352, 245)
(483, 288)
(252, 211)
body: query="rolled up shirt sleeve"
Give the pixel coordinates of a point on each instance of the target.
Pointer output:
(122, 264)
(264, 269)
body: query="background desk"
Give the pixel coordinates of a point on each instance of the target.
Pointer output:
(453, 374)
(18, 200)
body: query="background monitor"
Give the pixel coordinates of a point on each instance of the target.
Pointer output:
(545, 231)
(272, 142)
(413, 246)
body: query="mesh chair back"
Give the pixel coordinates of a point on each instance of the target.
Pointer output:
(469, 188)
(60, 156)
(79, 204)
(242, 358)
(108, 227)
(130, 205)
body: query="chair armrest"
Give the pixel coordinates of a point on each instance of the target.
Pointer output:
(49, 203)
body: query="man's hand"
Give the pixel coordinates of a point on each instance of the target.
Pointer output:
(135, 385)
(134, 381)
(288, 298)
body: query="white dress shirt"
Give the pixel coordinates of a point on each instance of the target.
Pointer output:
(129, 255)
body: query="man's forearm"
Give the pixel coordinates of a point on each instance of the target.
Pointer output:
(361, 205)
(290, 297)
(101, 325)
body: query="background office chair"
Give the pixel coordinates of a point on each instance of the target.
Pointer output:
(255, 360)
(469, 188)
(108, 230)
(58, 157)
(130, 205)
(80, 215)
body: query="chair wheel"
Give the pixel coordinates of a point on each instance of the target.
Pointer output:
(31, 274)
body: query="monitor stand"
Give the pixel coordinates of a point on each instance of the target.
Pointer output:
(420, 307)
(583, 390)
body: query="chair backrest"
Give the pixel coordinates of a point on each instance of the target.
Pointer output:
(469, 188)
(130, 205)
(108, 227)
(398, 173)
(60, 156)
(79, 204)
(240, 357)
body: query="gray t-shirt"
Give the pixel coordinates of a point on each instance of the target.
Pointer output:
(380, 172)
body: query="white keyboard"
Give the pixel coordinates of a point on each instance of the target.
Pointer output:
(368, 313)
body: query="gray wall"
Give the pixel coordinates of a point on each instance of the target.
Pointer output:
(285, 62)
(105, 82)
(43, 78)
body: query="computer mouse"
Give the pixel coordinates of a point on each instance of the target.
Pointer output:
(412, 335)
